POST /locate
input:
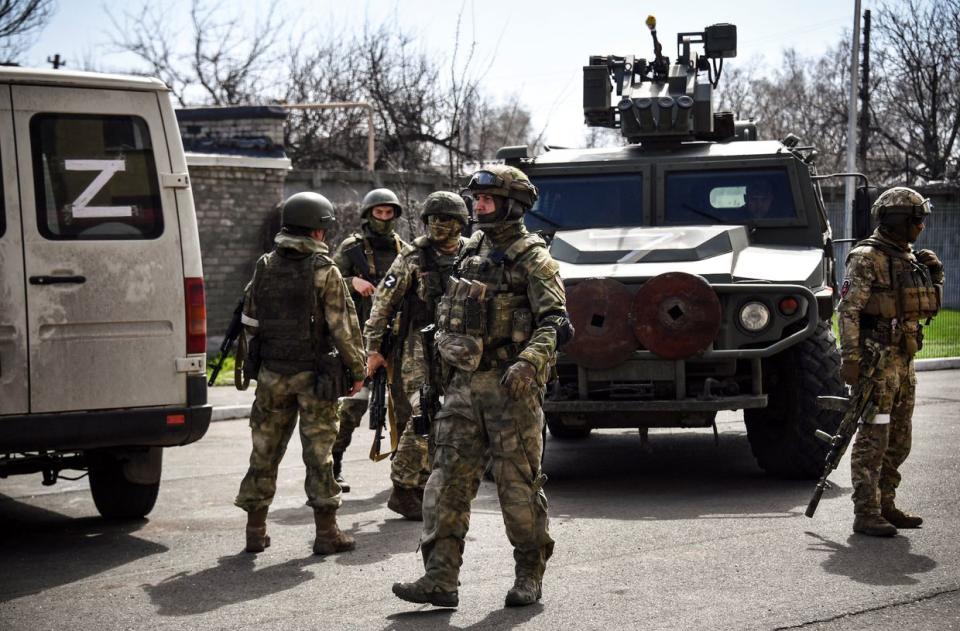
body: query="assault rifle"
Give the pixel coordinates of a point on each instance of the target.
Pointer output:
(858, 408)
(233, 332)
(378, 395)
(429, 391)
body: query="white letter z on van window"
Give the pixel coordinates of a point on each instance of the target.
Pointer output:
(107, 168)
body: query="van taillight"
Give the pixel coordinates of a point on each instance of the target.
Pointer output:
(196, 315)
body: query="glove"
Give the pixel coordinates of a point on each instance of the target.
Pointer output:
(850, 371)
(928, 258)
(519, 379)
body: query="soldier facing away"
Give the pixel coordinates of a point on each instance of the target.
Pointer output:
(413, 286)
(887, 291)
(303, 328)
(363, 259)
(499, 323)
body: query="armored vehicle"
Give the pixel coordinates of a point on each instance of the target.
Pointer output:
(698, 262)
(102, 315)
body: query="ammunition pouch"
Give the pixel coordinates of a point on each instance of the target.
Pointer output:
(510, 319)
(333, 378)
(920, 302)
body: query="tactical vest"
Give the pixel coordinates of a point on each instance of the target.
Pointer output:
(503, 319)
(292, 332)
(420, 305)
(371, 265)
(904, 290)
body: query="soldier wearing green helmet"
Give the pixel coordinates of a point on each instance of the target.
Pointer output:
(499, 323)
(302, 328)
(413, 287)
(364, 258)
(888, 292)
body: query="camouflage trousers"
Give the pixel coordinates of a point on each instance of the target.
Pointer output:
(480, 420)
(882, 446)
(278, 401)
(410, 467)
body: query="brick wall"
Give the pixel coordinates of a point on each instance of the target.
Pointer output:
(233, 203)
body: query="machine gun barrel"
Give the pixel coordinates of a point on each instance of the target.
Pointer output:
(859, 408)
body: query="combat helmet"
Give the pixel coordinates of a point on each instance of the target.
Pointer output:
(308, 210)
(446, 204)
(898, 204)
(508, 182)
(380, 197)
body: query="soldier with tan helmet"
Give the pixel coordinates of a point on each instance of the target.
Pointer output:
(364, 258)
(303, 330)
(413, 287)
(888, 292)
(499, 323)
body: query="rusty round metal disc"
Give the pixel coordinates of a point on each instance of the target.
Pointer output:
(599, 309)
(676, 315)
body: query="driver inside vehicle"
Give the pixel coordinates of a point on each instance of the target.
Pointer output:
(758, 199)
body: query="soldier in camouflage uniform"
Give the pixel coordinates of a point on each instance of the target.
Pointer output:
(499, 323)
(413, 286)
(303, 330)
(886, 293)
(363, 259)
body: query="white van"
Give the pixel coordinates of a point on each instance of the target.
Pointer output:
(102, 316)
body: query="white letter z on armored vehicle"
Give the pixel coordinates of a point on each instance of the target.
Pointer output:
(102, 317)
(698, 263)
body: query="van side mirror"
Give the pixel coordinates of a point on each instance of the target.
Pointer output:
(862, 203)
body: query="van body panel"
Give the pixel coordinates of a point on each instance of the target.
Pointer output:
(14, 385)
(95, 339)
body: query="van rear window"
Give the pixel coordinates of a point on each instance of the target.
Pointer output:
(95, 177)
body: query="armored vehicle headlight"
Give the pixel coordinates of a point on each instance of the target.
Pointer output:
(754, 316)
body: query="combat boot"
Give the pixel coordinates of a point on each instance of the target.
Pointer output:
(899, 518)
(425, 591)
(330, 539)
(873, 525)
(257, 538)
(526, 590)
(337, 472)
(407, 502)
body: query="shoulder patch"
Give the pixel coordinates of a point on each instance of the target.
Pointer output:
(845, 288)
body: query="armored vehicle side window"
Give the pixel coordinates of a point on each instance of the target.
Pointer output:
(95, 177)
(587, 201)
(732, 196)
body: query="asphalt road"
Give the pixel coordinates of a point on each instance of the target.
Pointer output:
(686, 536)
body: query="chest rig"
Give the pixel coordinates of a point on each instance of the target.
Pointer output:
(292, 332)
(430, 283)
(487, 298)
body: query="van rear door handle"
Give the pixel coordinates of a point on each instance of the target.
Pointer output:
(54, 280)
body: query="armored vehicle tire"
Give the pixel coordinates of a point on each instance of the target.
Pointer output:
(115, 496)
(558, 429)
(782, 434)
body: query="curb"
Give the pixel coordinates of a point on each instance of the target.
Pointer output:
(229, 413)
(941, 363)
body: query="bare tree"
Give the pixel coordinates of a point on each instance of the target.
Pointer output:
(917, 99)
(19, 21)
(226, 64)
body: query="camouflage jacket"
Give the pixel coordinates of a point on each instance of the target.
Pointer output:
(405, 275)
(332, 296)
(871, 295)
(363, 255)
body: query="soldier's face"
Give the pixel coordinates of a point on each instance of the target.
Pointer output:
(914, 228)
(758, 204)
(383, 213)
(484, 204)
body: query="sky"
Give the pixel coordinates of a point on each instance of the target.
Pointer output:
(534, 49)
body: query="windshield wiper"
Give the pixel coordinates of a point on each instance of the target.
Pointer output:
(703, 213)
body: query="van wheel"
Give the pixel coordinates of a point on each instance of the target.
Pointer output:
(559, 429)
(115, 496)
(782, 434)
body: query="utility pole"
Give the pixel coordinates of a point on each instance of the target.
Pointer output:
(865, 94)
(57, 61)
(852, 123)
